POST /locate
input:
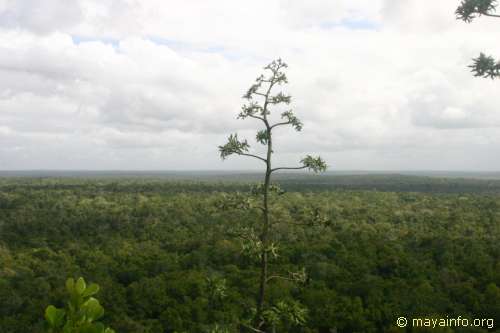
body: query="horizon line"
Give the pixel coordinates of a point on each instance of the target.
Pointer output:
(245, 170)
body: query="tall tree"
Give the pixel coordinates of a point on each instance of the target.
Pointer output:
(261, 99)
(482, 66)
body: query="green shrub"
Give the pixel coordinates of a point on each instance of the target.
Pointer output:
(82, 311)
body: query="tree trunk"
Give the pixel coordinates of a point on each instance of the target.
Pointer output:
(264, 238)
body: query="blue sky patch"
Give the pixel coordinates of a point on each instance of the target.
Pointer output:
(80, 39)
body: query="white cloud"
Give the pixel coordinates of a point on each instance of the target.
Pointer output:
(157, 84)
(39, 16)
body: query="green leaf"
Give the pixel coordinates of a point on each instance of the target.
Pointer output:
(83, 311)
(80, 286)
(92, 309)
(92, 328)
(70, 285)
(92, 289)
(54, 316)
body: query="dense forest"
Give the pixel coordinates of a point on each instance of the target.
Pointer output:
(169, 255)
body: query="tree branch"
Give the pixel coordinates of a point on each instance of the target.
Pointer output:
(253, 328)
(272, 82)
(490, 15)
(279, 277)
(256, 117)
(281, 124)
(286, 168)
(254, 156)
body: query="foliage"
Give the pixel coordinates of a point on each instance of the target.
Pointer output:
(286, 314)
(482, 66)
(471, 9)
(368, 255)
(233, 146)
(292, 120)
(486, 66)
(82, 311)
(315, 164)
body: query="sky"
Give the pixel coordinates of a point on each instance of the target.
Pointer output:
(158, 84)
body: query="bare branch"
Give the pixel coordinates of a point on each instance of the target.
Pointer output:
(288, 168)
(271, 84)
(280, 124)
(253, 328)
(257, 117)
(255, 156)
(300, 276)
(315, 164)
(279, 277)
(291, 120)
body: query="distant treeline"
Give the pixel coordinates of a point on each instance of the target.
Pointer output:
(298, 182)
